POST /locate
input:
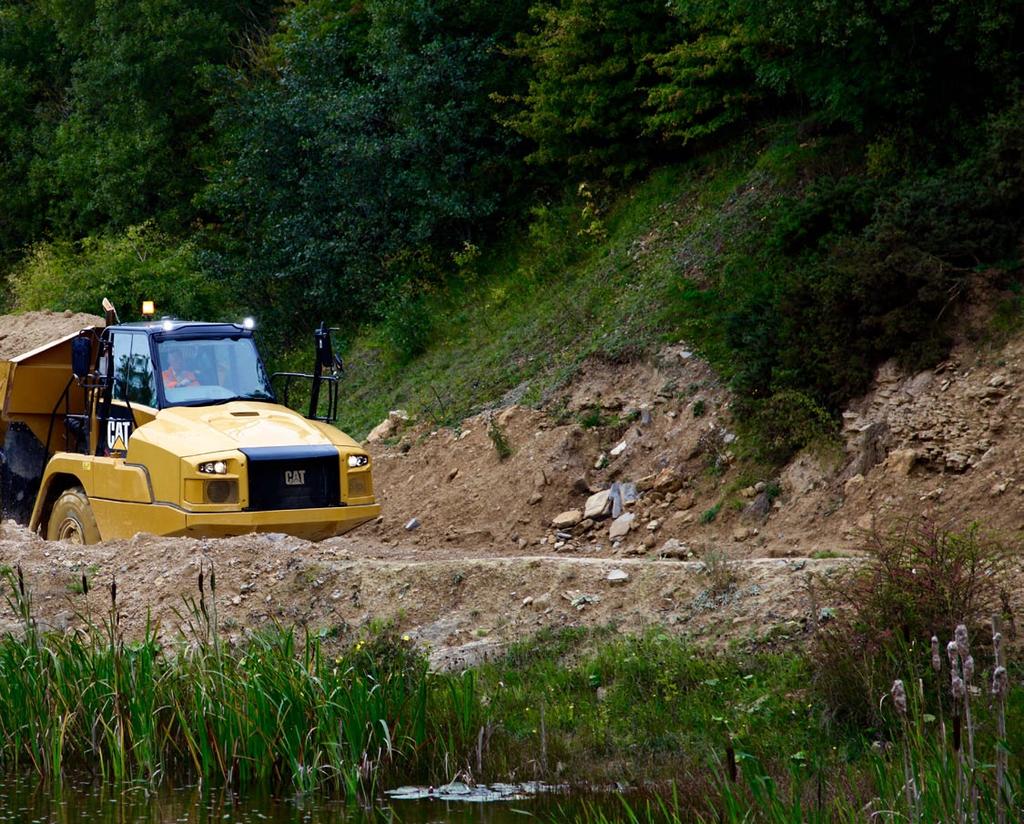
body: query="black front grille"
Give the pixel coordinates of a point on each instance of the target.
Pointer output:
(286, 477)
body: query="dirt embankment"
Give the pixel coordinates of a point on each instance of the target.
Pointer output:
(946, 443)
(699, 544)
(463, 606)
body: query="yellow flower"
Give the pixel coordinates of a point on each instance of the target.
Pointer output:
(406, 638)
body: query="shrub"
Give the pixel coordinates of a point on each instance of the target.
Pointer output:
(407, 323)
(780, 426)
(141, 264)
(709, 515)
(500, 439)
(919, 580)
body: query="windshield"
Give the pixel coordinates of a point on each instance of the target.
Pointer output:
(216, 370)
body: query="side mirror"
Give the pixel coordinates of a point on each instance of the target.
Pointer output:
(81, 356)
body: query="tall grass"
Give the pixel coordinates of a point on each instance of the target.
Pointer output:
(926, 773)
(280, 710)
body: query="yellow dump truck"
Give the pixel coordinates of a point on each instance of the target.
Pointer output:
(173, 428)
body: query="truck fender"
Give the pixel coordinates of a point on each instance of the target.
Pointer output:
(54, 483)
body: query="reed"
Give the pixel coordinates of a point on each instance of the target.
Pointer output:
(279, 711)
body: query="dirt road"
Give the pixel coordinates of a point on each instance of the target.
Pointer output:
(462, 605)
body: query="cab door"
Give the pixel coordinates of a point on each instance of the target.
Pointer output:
(133, 394)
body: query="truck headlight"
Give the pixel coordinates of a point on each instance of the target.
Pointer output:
(356, 461)
(214, 468)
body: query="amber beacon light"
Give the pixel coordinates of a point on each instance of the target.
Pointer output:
(148, 308)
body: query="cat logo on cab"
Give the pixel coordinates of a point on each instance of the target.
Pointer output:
(118, 432)
(295, 477)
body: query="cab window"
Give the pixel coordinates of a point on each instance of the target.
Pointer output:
(134, 380)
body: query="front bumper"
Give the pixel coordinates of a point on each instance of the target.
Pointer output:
(311, 524)
(117, 519)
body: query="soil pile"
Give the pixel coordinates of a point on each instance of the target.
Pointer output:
(23, 333)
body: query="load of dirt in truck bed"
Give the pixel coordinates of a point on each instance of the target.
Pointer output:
(23, 333)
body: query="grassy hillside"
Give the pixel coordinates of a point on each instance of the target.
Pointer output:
(519, 318)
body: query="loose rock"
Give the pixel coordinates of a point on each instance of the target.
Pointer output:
(675, 549)
(567, 519)
(620, 526)
(599, 505)
(617, 576)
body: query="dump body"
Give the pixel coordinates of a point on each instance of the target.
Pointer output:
(32, 385)
(139, 449)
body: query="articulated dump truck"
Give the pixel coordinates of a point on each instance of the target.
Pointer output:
(173, 428)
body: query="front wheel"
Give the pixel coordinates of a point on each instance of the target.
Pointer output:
(71, 519)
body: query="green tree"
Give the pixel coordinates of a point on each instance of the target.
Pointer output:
(367, 150)
(590, 75)
(137, 107)
(868, 64)
(706, 80)
(30, 67)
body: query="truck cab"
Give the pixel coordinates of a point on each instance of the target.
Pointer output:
(175, 429)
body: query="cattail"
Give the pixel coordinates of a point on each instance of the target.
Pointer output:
(213, 579)
(1000, 682)
(969, 669)
(21, 581)
(961, 640)
(201, 590)
(951, 653)
(936, 658)
(997, 645)
(899, 697)
(113, 592)
(959, 691)
(85, 585)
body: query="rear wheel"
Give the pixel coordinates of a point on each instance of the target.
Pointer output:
(71, 519)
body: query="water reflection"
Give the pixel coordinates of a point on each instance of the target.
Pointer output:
(28, 802)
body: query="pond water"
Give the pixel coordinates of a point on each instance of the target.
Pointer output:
(27, 802)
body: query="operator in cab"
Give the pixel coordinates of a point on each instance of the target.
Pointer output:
(177, 372)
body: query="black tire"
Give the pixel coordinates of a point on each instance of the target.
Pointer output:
(72, 519)
(21, 470)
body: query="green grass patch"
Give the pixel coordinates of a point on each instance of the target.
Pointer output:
(515, 320)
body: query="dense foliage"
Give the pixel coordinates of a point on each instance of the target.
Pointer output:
(345, 155)
(355, 170)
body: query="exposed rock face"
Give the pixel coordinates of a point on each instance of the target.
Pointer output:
(943, 418)
(759, 508)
